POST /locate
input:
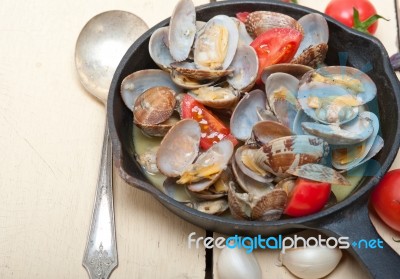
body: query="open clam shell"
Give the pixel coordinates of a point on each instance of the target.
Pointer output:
(260, 21)
(245, 114)
(159, 51)
(296, 70)
(190, 70)
(187, 82)
(214, 207)
(265, 131)
(216, 43)
(352, 132)
(314, 46)
(215, 97)
(348, 157)
(135, 84)
(285, 153)
(215, 158)
(281, 90)
(182, 30)
(300, 118)
(265, 206)
(244, 37)
(333, 94)
(316, 32)
(245, 65)
(179, 148)
(244, 160)
(319, 173)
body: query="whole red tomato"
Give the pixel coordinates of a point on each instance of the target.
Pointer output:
(343, 11)
(385, 199)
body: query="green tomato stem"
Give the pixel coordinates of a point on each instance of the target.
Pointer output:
(364, 25)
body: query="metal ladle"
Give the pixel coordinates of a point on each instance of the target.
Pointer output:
(99, 48)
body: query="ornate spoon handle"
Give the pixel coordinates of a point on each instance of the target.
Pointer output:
(100, 256)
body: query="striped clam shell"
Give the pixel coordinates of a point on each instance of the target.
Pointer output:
(285, 153)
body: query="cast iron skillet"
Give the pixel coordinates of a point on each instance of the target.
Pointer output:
(347, 218)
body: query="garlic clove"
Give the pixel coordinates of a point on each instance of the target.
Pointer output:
(311, 262)
(235, 263)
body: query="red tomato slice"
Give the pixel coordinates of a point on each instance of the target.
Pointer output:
(213, 129)
(307, 197)
(276, 45)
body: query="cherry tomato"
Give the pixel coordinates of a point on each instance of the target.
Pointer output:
(276, 45)
(307, 197)
(342, 10)
(213, 129)
(385, 199)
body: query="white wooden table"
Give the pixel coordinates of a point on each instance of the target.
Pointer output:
(51, 136)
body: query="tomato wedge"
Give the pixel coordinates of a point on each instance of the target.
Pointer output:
(276, 45)
(307, 197)
(213, 129)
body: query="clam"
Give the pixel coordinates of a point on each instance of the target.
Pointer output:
(267, 206)
(319, 173)
(355, 131)
(158, 49)
(187, 82)
(179, 148)
(214, 207)
(182, 30)
(265, 131)
(244, 160)
(245, 114)
(215, 97)
(285, 153)
(153, 109)
(247, 183)
(148, 160)
(260, 21)
(312, 56)
(201, 174)
(281, 90)
(300, 118)
(296, 70)
(190, 70)
(314, 46)
(244, 37)
(154, 106)
(216, 44)
(245, 65)
(332, 95)
(135, 84)
(348, 157)
(265, 114)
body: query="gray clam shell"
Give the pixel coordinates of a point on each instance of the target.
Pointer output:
(316, 31)
(245, 65)
(182, 30)
(370, 143)
(286, 108)
(203, 39)
(158, 49)
(245, 114)
(138, 82)
(352, 132)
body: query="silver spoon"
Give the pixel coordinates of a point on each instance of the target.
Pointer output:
(100, 46)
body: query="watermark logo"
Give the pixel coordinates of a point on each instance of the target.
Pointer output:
(280, 242)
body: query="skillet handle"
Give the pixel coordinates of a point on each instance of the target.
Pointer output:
(381, 262)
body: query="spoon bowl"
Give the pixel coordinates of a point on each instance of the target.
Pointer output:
(100, 47)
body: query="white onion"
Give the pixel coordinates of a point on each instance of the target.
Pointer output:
(311, 262)
(235, 263)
